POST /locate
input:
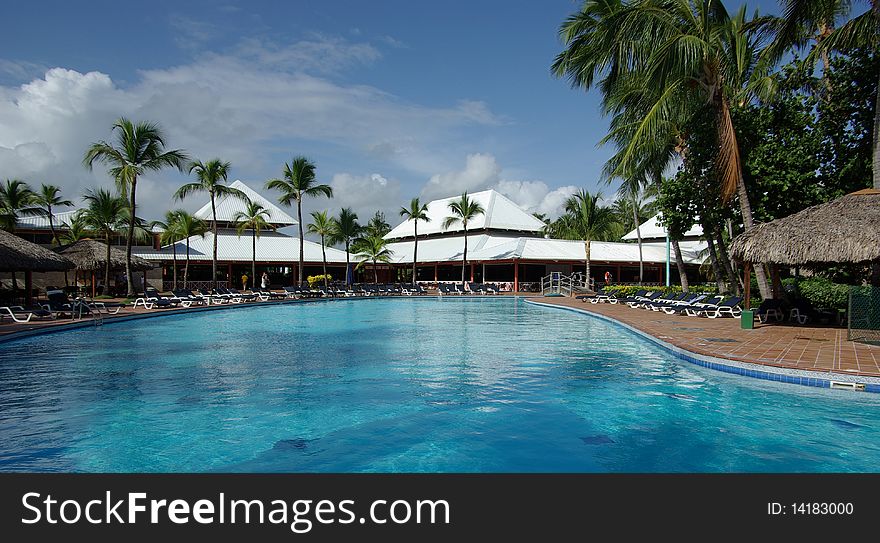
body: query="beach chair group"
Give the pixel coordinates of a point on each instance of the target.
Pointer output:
(482, 289)
(690, 304)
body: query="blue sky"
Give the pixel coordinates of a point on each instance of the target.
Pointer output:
(391, 99)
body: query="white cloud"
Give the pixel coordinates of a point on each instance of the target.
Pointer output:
(365, 194)
(482, 172)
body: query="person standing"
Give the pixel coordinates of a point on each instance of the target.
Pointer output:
(608, 278)
(264, 281)
(244, 280)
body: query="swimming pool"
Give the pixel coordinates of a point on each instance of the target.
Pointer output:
(405, 385)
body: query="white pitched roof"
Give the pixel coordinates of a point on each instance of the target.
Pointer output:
(271, 247)
(40, 222)
(228, 206)
(652, 229)
(501, 214)
(487, 247)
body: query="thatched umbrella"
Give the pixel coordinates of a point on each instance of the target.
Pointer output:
(91, 255)
(845, 230)
(17, 254)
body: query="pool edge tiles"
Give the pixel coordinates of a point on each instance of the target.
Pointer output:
(737, 367)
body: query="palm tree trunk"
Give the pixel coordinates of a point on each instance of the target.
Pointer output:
(52, 226)
(876, 157)
(253, 257)
(587, 262)
(464, 258)
(129, 239)
(724, 258)
(324, 260)
(299, 217)
(682, 272)
(348, 277)
(748, 223)
(639, 237)
(214, 254)
(416, 248)
(107, 264)
(174, 263)
(716, 267)
(375, 273)
(186, 268)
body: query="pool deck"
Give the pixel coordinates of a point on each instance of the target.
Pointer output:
(822, 349)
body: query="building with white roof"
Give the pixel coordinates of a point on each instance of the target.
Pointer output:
(653, 230)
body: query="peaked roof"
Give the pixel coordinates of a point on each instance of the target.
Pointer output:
(271, 247)
(501, 214)
(652, 229)
(228, 206)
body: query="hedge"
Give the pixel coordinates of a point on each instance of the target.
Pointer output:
(621, 291)
(818, 291)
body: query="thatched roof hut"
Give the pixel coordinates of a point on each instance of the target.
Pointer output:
(91, 255)
(18, 254)
(844, 230)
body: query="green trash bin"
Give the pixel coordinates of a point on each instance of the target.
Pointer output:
(747, 319)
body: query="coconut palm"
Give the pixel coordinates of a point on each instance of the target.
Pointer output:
(140, 147)
(464, 210)
(345, 229)
(48, 197)
(323, 226)
(377, 225)
(586, 220)
(372, 249)
(76, 229)
(661, 62)
(298, 182)
(189, 226)
(106, 213)
(630, 191)
(212, 176)
(16, 200)
(169, 236)
(255, 218)
(417, 211)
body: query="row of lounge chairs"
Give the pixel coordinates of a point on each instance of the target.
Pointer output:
(472, 288)
(59, 305)
(693, 305)
(380, 289)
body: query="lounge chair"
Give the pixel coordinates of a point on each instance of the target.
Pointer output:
(443, 289)
(612, 300)
(769, 309)
(692, 308)
(477, 288)
(727, 308)
(491, 288)
(243, 295)
(658, 305)
(59, 304)
(641, 300)
(19, 314)
(587, 297)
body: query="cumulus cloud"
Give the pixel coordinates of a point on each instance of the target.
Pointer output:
(365, 194)
(482, 171)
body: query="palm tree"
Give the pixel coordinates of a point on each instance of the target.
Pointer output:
(106, 213)
(587, 220)
(49, 197)
(298, 182)
(189, 226)
(802, 18)
(661, 62)
(254, 218)
(377, 226)
(464, 210)
(77, 228)
(169, 236)
(417, 211)
(212, 176)
(16, 200)
(140, 147)
(372, 249)
(345, 229)
(323, 226)
(630, 190)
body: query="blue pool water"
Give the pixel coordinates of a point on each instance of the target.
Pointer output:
(405, 385)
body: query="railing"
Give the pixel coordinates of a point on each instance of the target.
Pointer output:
(193, 285)
(557, 284)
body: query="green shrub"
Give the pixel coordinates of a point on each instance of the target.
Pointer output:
(819, 292)
(314, 279)
(622, 291)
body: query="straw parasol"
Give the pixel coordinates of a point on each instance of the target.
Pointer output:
(91, 255)
(17, 254)
(845, 230)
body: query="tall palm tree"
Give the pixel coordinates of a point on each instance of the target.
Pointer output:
(189, 226)
(803, 17)
(377, 225)
(48, 197)
(16, 200)
(660, 62)
(417, 211)
(140, 147)
(298, 182)
(587, 220)
(372, 249)
(630, 191)
(106, 213)
(169, 236)
(464, 210)
(212, 176)
(345, 229)
(323, 226)
(255, 218)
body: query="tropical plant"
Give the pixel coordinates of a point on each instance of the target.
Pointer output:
(16, 200)
(76, 229)
(377, 225)
(105, 213)
(372, 249)
(323, 226)
(417, 211)
(212, 176)
(464, 210)
(345, 230)
(169, 236)
(660, 63)
(315, 279)
(140, 147)
(298, 182)
(586, 220)
(189, 226)
(48, 197)
(255, 218)
(630, 191)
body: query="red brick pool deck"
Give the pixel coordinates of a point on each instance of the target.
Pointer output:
(813, 348)
(784, 345)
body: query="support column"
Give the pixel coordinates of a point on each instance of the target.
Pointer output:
(28, 288)
(436, 266)
(93, 283)
(747, 274)
(516, 276)
(618, 274)
(229, 283)
(472, 272)
(776, 289)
